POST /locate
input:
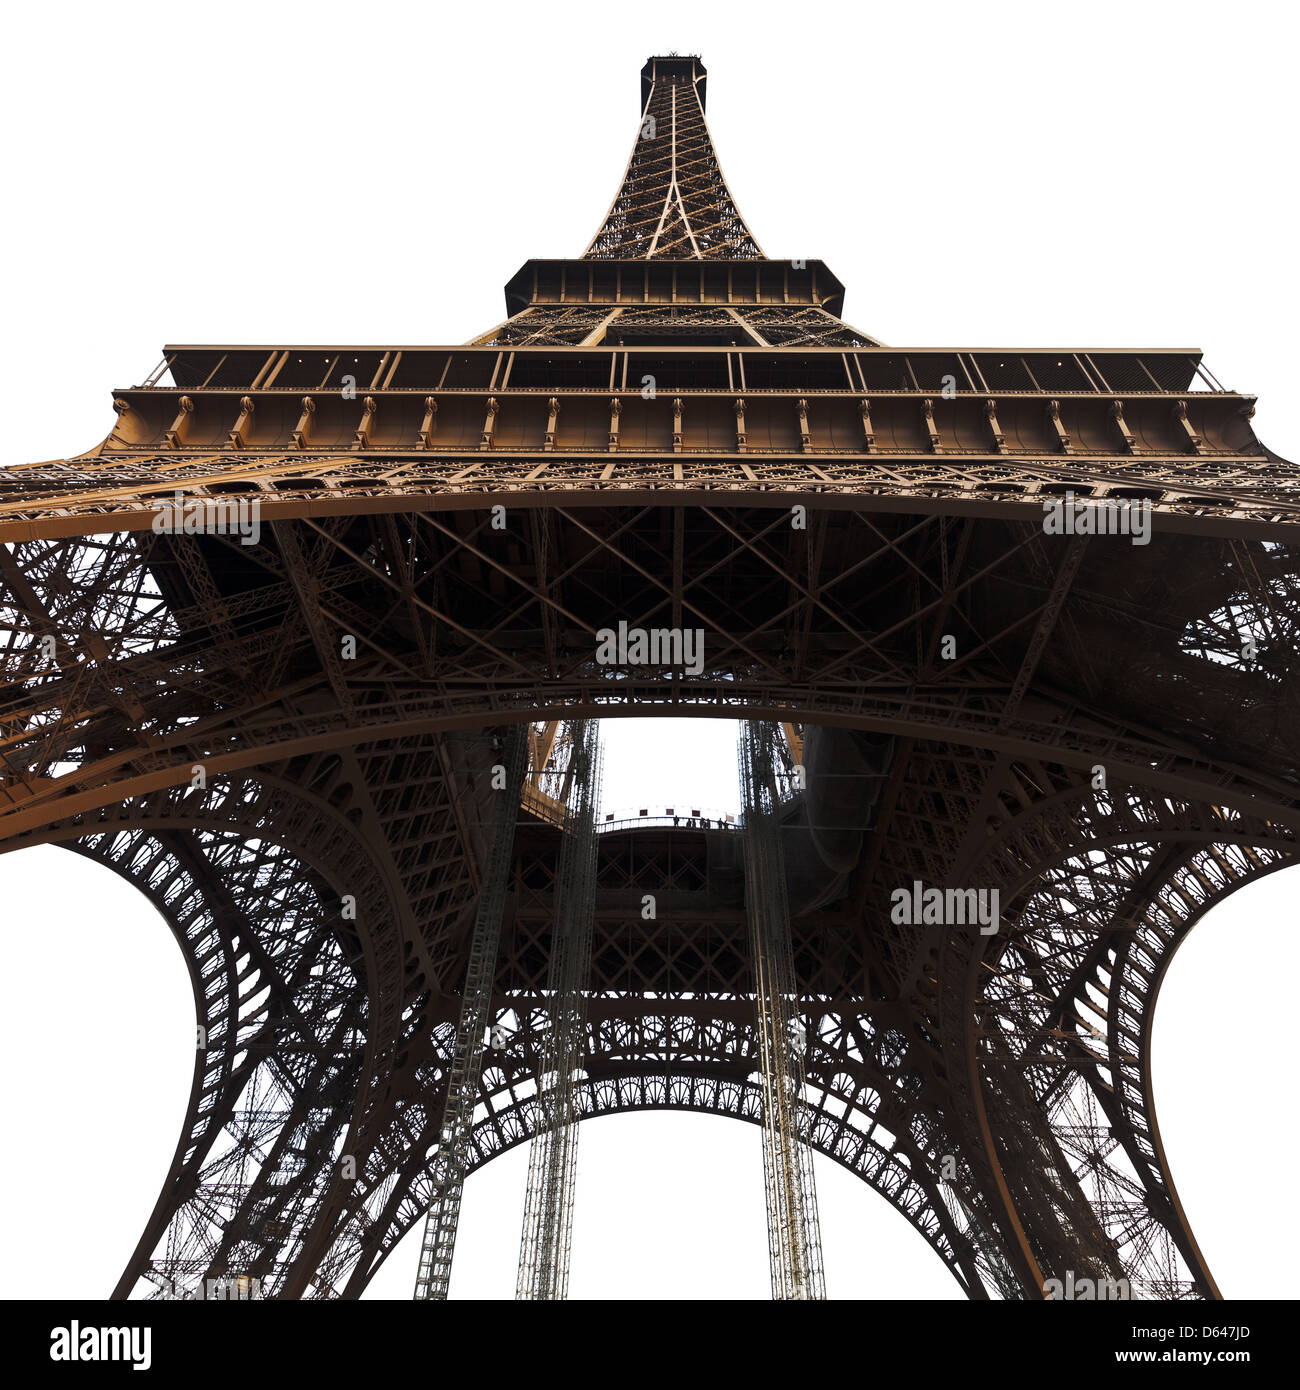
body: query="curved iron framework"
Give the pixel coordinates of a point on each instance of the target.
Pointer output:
(287, 739)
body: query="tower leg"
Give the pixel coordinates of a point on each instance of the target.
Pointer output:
(434, 1274)
(793, 1230)
(548, 1210)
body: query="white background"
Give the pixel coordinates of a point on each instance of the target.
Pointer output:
(1109, 175)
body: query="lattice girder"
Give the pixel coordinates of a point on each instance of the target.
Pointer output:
(874, 647)
(677, 433)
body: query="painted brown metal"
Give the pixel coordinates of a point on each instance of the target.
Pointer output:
(1074, 721)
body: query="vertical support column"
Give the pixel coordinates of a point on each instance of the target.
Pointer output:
(793, 1231)
(552, 1161)
(452, 1159)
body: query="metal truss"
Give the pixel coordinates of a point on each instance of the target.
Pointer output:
(793, 1228)
(673, 201)
(1067, 1012)
(688, 453)
(287, 745)
(282, 1029)
(433, 1276)
(709, 1058)
(917, 834)
(605, 325)
(552, 1163)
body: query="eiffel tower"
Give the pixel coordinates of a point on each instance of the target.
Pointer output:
(309, 650)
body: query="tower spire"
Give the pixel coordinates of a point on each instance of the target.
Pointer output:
(673, 202)
(673, 261)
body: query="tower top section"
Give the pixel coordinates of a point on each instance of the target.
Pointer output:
(672, 67)
(673, 202)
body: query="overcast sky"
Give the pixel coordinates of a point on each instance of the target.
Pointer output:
(1115, 175)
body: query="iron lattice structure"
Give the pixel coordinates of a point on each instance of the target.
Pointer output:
(451, 1154)
(793, 1224)
(683, 433)
(546, 1241)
